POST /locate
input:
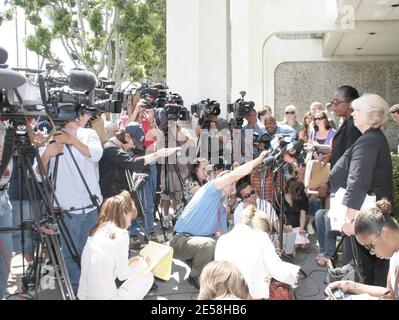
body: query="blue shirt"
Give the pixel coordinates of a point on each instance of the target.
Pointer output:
(200, 217)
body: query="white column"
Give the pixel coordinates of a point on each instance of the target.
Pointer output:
(197, 50)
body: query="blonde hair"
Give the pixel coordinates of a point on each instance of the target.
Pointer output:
(114, 210)
(375, 108)
(220, 279)
(256, 219)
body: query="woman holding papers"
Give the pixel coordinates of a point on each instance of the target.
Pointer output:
(105, 256)
(365, 169)
(320, 140)
(379, 234)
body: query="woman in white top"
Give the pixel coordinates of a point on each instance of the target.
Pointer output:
(249, 247)
(105, 256)
(376, 230)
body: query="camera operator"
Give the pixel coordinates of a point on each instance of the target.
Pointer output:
(250, 134)
(5, 218)
(217, 136)
(200, 222)
(80, 212)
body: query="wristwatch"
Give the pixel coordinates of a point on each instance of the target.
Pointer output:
(349, 220)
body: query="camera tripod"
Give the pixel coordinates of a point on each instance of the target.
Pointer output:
(279, 171)
(48, 229)
(167, 190)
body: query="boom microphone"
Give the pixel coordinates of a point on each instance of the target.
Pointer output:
(82, 80)
(11, 79)
(3, 55)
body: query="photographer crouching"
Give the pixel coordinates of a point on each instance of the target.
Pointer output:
(195, 231)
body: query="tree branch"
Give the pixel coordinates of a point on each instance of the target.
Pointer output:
(82, 32)
(68, 52)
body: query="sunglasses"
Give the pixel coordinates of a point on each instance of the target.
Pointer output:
(371, 247)
(290, 112)
(336, 102)
(319, 118)
(249, 194)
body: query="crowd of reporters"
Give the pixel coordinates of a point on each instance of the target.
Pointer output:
(221, 210)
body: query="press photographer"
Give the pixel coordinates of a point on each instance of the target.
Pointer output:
(80, 208)
(200, 221)
(119, 158)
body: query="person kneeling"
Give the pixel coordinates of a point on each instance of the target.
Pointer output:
(105, 256)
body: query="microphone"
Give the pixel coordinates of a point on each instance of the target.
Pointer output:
(82, 80)
(296, 148)
(3, 55)
(11, 79)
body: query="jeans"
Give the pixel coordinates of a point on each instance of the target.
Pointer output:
(325, 236)
(314, 205)
(30, 211)
(147, 199)
(79, 226)
(5, 241)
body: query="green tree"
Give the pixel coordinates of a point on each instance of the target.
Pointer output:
(125, 38)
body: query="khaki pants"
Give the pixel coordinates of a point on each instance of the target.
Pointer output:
(200, 249)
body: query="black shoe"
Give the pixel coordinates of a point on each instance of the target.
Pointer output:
(193, 282)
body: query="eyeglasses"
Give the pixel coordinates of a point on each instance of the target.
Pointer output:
(371, 247)
(336, 102)
(249, 194)
(315, 119)
(290, 112)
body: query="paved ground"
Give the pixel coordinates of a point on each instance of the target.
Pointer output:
(311, 284)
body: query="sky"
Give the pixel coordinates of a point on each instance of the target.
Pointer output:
(10, 32)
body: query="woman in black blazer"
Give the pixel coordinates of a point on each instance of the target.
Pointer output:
(366, 168)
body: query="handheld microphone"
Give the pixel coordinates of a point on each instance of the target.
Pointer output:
(11, 79)
(81, 80)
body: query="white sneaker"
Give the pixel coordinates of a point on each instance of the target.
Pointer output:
(310, 229)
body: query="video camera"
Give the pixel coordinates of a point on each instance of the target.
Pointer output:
(208, 108)
(240, 110)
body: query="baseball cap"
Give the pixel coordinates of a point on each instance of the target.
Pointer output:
(137, 133)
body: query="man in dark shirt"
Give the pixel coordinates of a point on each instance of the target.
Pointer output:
(116, 162)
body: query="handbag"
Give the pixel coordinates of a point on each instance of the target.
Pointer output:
(280, 291)
(316, 174)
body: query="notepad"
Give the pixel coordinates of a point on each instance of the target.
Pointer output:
(160, 257)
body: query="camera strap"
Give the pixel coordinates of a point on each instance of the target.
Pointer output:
(7, 149)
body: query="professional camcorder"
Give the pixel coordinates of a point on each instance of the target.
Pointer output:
(208, 108)
(240, 110)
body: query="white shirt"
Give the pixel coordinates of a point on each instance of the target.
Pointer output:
(262, 205)
(393, 266)
(253, 253)
(70, 190)
(103, 260)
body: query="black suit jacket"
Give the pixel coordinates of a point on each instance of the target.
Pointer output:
(343, 139)
(365, 168)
